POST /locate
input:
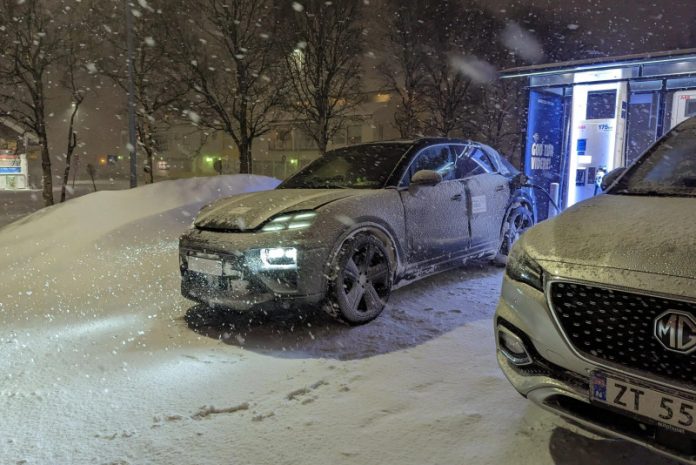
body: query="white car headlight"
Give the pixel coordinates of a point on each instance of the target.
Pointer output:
(299, 220)
(278, 258)
(521, 267)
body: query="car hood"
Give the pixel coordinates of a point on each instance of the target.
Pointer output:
(644, 234)
(250, 211)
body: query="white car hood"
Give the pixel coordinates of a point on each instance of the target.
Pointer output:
(249, 211)
(654, 235)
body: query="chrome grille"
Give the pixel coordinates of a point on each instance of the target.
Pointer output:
(617, 327)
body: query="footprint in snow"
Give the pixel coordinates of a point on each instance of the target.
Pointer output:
(207, 411)
(297, 393)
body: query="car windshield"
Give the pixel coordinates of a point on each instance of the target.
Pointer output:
(668, 169)
(360, 167)
(507, 168)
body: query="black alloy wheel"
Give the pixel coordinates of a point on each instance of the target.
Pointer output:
(519, 219)
(362, 280)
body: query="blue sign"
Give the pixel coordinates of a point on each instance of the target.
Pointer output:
(582, 146)
(10, 170)
(543, 153)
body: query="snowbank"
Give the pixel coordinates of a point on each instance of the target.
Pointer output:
(92, 247)
(86, 218)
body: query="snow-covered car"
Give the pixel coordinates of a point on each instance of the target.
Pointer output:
(352, 224)
(597, 318)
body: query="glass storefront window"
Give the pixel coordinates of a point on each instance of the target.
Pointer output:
(679, 105)
(643, 110)
(601, 104)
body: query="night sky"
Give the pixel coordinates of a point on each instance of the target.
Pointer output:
(617, 27)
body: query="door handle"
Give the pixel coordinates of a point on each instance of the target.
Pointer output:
(457, 197)
(500, 188)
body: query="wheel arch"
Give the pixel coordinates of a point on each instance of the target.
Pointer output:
(518, 198)
(376, 229)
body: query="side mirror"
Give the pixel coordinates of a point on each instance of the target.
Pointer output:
(426, 178)
(610, 177)
(519, 180)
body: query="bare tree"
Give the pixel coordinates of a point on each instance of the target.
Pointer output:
(457, 52)
(498, 119)
(403, 71)
(447, 98)
(34, 42)
(159, 88)
(324, 69)
(73, 81)
(234, 57)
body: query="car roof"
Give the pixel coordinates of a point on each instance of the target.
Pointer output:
(428, 140)
(420, 140)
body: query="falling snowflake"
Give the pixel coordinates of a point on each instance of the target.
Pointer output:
(522, 42)
(193, 116)
(297, 6)
(143, 4)
(474, 68)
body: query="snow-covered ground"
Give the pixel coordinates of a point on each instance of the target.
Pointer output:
(102, 361)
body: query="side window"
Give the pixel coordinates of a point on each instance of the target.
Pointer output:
(437, 158)
(484, 159)
(472, 163)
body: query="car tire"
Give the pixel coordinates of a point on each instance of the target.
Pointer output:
(360, 280)
(518, 220)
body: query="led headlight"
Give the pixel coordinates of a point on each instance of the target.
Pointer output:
(299, 220)
(279, 258)
(522, 268)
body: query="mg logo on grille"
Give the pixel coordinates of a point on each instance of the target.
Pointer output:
(676, 331)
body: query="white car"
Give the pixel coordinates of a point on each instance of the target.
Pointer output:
(597, 318)
(345, 229)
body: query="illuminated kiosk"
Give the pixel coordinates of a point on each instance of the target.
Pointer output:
(15, 155)
(13, 171)
(588, 117)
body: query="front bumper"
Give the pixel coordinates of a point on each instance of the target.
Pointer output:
(558, 380)
(246, 284)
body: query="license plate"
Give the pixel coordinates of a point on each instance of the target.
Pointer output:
(205, 266)
(668, 409)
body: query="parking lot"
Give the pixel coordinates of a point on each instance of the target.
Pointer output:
(106, 363)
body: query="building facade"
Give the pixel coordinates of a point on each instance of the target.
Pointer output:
(187, 150)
